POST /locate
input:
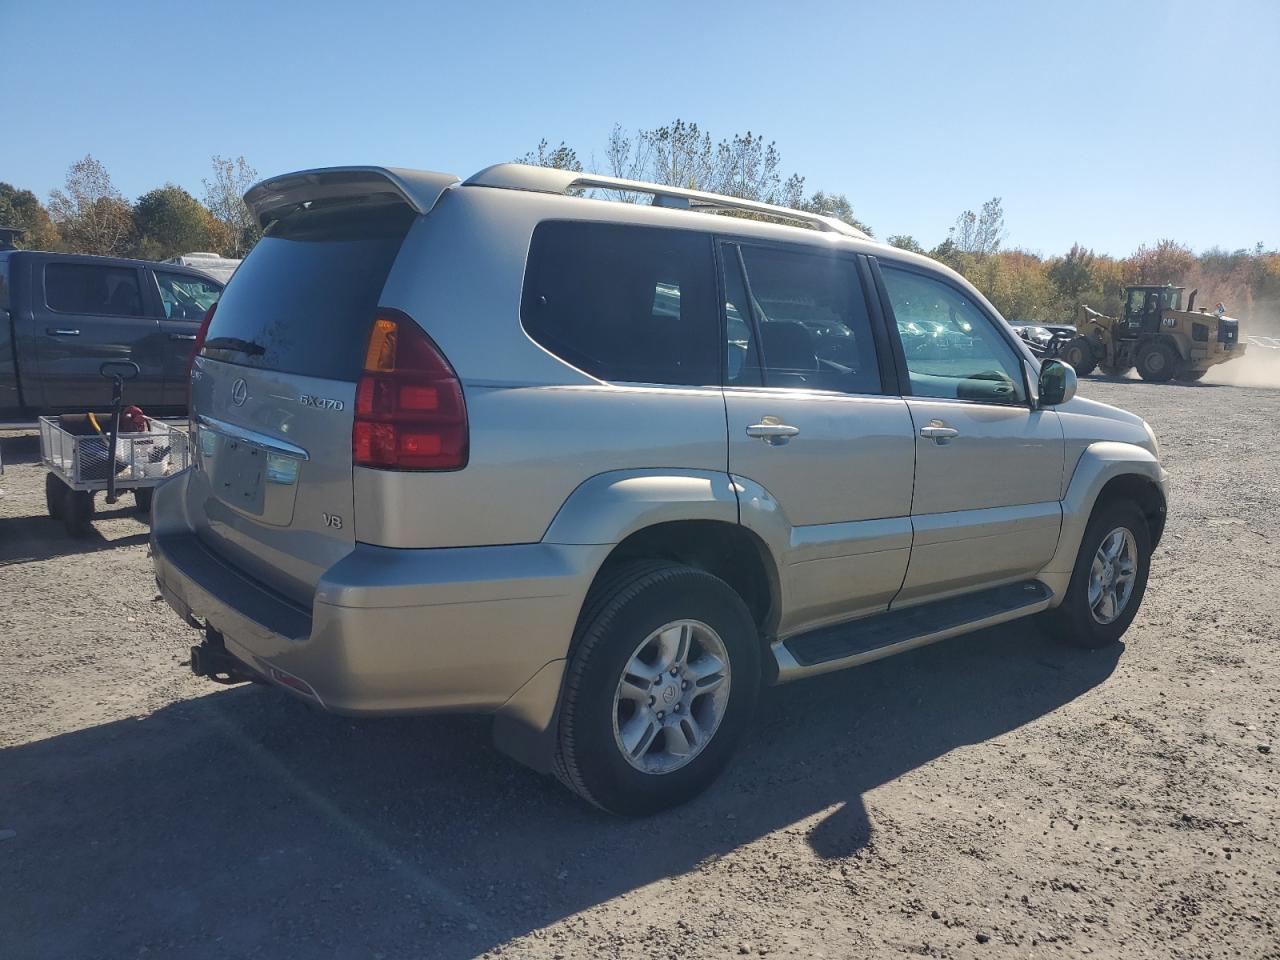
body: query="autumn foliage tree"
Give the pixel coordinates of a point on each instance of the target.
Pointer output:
(91, 214)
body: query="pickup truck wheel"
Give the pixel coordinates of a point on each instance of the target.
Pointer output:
(142, 498)
(661, 686)
(55, 492)
(1109, 579)
(77, 512)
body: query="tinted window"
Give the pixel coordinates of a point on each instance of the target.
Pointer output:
(624, 303)
(304, 299)
(84, 288)
(186, 297)
(813, 329)
(953, 349)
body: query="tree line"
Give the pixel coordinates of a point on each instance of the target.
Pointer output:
(87, 214)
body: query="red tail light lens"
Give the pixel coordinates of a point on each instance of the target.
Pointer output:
(410, 412)
(201, 335)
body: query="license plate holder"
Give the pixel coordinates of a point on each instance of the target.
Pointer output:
(238, 474)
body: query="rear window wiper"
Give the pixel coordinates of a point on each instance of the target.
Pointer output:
(236, 343)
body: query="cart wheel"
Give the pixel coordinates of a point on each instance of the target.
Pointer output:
(54, 493)
(77, 511)
(142, 498)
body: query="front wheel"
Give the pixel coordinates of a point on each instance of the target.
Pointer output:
(1078, 352)
(660, 688)
(1192, 376)
(1108, 581)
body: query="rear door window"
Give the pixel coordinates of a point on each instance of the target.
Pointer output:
(91, 289)
(811, 326)
(624, 303)
(304, 299)
(185, 297)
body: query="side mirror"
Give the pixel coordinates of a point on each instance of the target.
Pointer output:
(1057, 383)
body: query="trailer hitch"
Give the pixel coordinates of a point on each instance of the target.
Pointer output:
(210, 659)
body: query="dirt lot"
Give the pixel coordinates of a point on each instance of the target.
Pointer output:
(992, 796)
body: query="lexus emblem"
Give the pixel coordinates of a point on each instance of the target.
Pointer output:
(239, 392)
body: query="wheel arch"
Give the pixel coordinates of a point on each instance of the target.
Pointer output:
(1106, 471)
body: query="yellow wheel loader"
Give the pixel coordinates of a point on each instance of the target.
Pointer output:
(1156, 335)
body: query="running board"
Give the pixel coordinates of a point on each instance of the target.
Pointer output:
(861, 641)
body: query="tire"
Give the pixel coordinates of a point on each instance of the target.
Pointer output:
(1192, 376)
(142, 499)
(1117, 370)
(77, 512)
(1078, 352)
(55, 492)
(1075, 621)
(1158, 362)
(619, 627)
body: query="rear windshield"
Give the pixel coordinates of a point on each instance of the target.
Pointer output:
(303, 300)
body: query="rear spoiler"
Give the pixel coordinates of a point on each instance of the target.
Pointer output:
(272, 199)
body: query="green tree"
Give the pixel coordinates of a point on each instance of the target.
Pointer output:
(224, 198)
(904, 241)
(90, 213)
(1072, 276)
(22, 209)
(835, 205)
(169, 221)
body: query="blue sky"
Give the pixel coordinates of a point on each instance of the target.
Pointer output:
(1109, 123)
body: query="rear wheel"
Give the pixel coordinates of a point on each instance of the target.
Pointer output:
(142, 498)
(77, 512)
(1158, 362)
(55, 491)
(1109, 578)
(661, 686)
(1078, 352)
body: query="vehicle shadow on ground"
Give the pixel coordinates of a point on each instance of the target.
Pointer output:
(19, 449)
(244, 822)
(1139, 382)
(28, 539)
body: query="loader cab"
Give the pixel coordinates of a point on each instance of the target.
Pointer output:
(1144, 306)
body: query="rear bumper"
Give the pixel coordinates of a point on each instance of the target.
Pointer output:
(396, 631)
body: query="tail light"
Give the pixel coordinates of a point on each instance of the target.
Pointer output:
(201, 334)
(410, 413)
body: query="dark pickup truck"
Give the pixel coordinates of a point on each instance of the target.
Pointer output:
(63, 315)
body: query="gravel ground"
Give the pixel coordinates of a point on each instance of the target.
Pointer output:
(992, 796)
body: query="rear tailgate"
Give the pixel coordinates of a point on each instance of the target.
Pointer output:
(273, 392)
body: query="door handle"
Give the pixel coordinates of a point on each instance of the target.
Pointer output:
(938, 432)
(772, 431)
(182, 336)
(61, 332)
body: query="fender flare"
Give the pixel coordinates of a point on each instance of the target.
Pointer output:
(1098, 465)
(609, 507)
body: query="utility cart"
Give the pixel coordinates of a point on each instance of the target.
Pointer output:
(85, 453)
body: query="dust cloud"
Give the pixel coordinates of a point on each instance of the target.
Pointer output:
(1259, 367)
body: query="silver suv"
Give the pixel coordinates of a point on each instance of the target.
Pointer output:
(601, 469)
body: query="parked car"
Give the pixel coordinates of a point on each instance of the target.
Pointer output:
(1044, 339)
(602, 469)
(215, 265)
(62, 315)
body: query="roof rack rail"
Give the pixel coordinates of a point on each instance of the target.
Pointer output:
(520, 176)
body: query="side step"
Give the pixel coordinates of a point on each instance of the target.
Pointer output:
(861, 641)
